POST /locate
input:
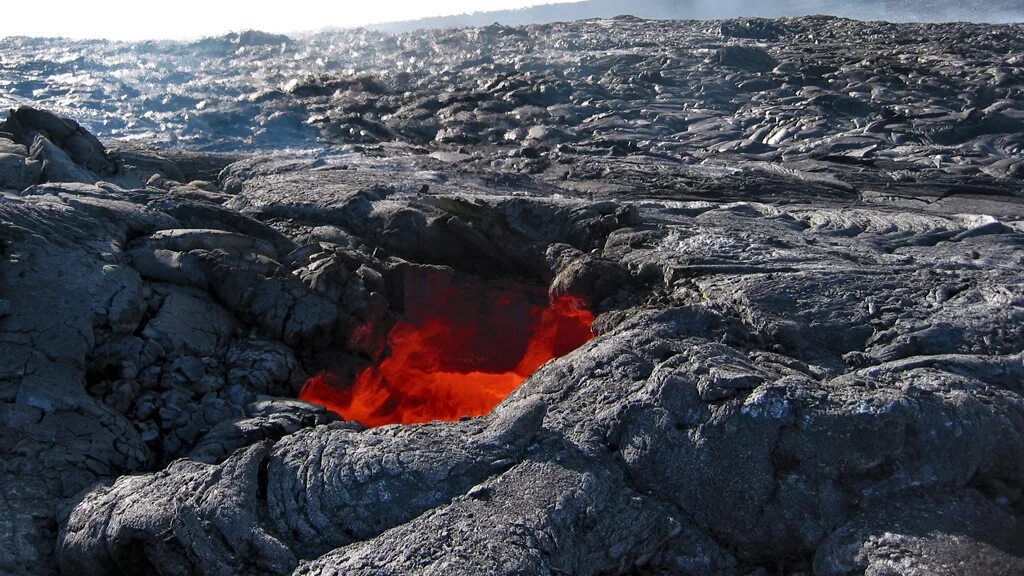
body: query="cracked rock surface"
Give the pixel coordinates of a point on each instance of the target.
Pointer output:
(805, 264)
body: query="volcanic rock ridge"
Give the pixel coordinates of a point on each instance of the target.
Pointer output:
(801, 240)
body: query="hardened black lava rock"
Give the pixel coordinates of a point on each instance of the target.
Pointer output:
(803, 240)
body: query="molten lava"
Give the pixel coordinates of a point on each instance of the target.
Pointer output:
(461, 349)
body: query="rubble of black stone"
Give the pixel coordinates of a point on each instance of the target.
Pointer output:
(803, 239)
(942, 96)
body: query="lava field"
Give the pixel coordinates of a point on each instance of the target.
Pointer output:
(617, 296)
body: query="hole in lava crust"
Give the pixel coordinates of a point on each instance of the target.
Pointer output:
(462, 346)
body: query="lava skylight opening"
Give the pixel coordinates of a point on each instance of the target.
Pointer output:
(462, 347)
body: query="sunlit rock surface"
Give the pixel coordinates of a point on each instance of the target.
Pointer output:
(802, 240)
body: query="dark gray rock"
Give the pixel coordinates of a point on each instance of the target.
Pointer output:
(60, 277)
(18, 172)
(583, 275)
(58, 165)
(268, 419)
(236, 499)
(188, 322)
(9, 146)
(539, 517)
(241, 275)
(930, 534)
(803, 249)
(73, 154)
(746, 57)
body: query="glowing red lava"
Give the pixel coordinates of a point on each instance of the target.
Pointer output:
(462, 348)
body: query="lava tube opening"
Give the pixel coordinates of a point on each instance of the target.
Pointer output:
(462, 347)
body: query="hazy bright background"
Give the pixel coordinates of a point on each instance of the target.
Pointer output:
(149, 19)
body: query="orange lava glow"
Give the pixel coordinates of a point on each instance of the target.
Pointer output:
(459, 352)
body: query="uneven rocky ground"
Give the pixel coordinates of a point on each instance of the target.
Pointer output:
(803, 239)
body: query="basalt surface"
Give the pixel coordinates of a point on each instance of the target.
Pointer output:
(802, 240)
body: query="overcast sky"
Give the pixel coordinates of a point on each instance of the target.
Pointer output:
(151, 19)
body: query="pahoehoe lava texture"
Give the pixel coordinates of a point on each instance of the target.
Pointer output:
(802, 238)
